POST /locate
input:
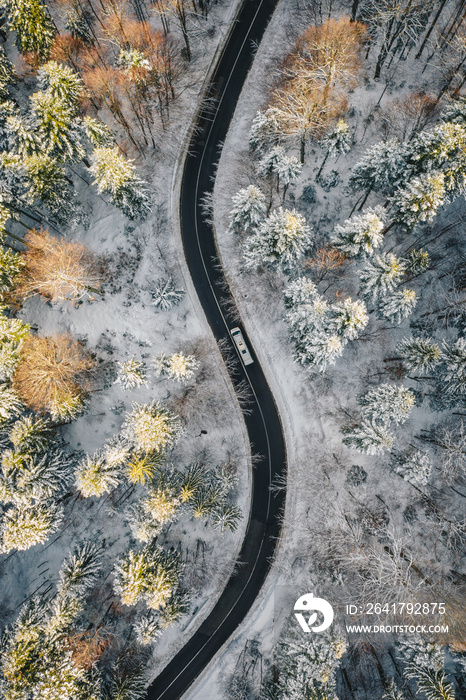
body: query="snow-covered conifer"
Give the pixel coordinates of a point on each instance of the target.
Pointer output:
(369, 437)
(176, 607)
(146, 629)
(143, 528)
(277, 162)
(419, 200)
(301, 291)
(11, 266)
(165, 294)
(10, 404)
(280, 241)
(60, 81)
(398, 305)
(81, 569)
(143, 466)
(226, 517)
(131, 373)
(381, 275)
(266, 130)
(22, 138)
(248, 210)
(57, 126)
(149, 574)
(161, 504)
(338, 140)
(417, 261)
(151, 427)
(33, 25)
(29, 479)
(30, 434)
(349, 318)
(177, 366)
(7, 72)
(24, 527)
(361, 234)
(94, 476)
(419, 354)
(115, 174)
(319, 349)
(453, 368)
(128, 686)
(415, 467)
(48, 185)
(381, 168)
(97, 132)
(13, 332)
(191, 481)
(387, 403)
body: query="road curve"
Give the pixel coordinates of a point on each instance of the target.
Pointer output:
(262, 419)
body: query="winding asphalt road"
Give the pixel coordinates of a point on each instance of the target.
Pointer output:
(262, 419)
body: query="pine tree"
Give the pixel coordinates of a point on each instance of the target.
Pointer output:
(248, 210)
(381, 275)
(419, 200)
(335, 142)
(10, 403)
(151, 427)
(369, 438)
(143, 528)
(387, 403)
(61, 82)
(319, 349)
(114, 174)
(177, 366)
(165, 294)
(30, 434)
(57, 126)
(419, 354)
(191, 482)
(94, 476)
(143, 466)
(11, 266)
(276, 162)
(266, 130)
(398, 305)
(349, 318)
(226, 517)
(149, 574)
(361, 234)
(7, 72)
(97, 132)
(27, 480)
(146, 629)
(415, 467)
(162, 504)
(81, 569)
(280, 241)
(22, 139)
(382, 167)
(417, 261)
(453, 367)
(131, 373)
(33, 26)
(22, 528)
(48, 185)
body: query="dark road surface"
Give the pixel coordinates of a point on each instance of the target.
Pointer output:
(263, 423)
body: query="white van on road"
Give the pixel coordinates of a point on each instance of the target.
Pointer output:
(241, 345)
